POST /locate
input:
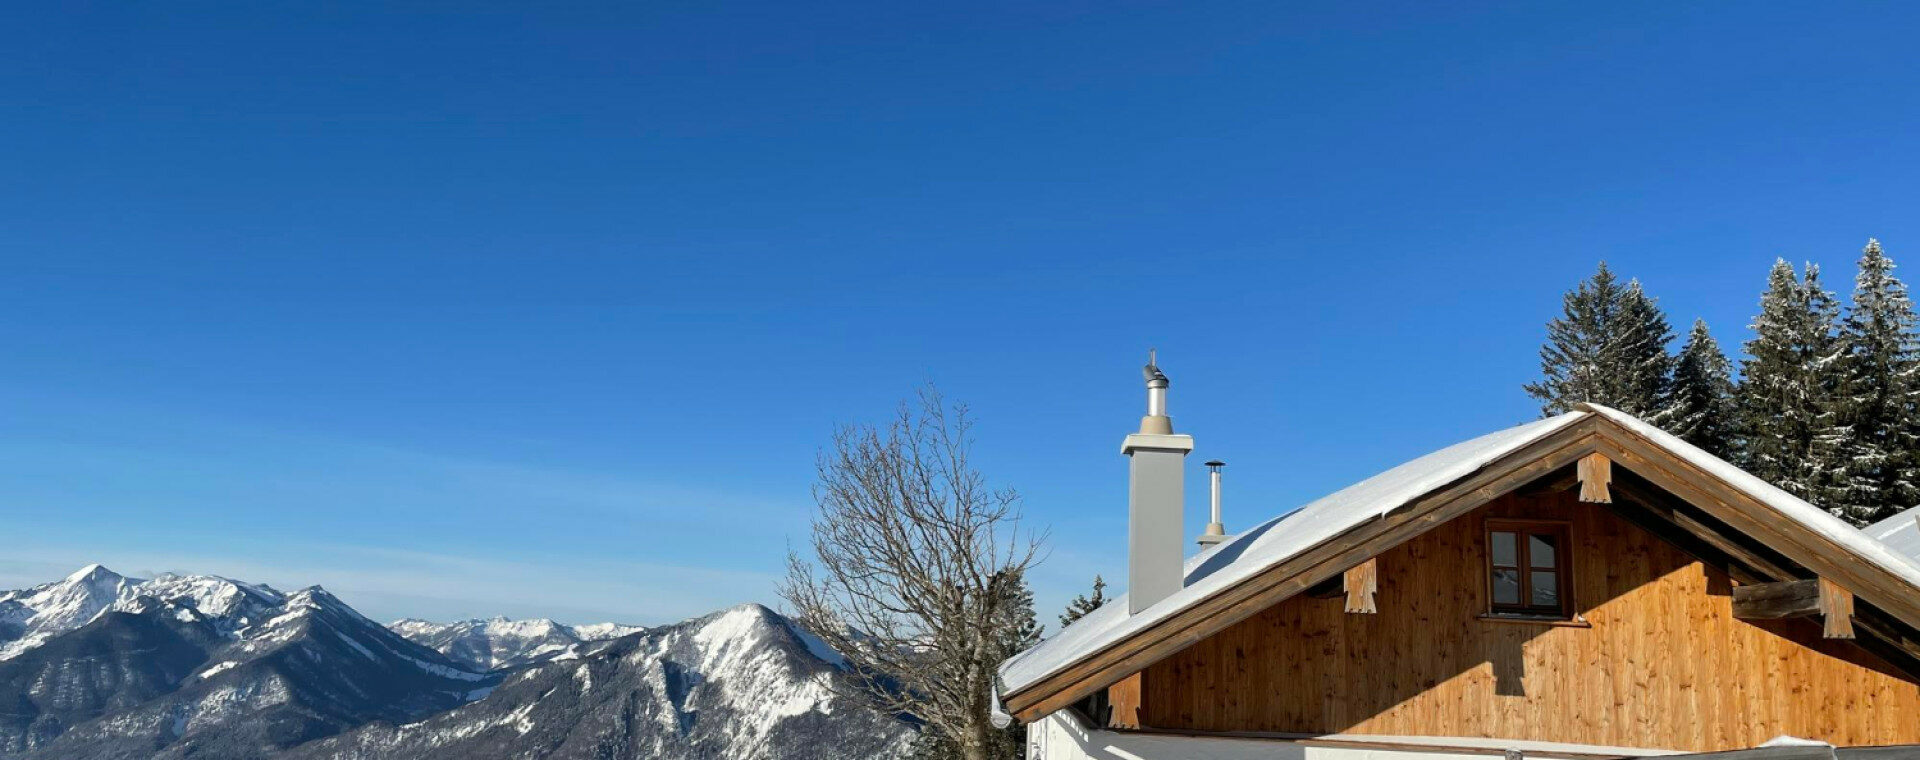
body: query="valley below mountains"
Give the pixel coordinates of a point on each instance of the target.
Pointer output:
(102, 666)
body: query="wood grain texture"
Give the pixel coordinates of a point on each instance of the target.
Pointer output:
(1780, 599)
(1361, 583)
(1124, 698)
(1595, 473)
(1836, 609)
(1664, 662)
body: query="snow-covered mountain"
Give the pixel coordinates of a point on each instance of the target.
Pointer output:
(30, 617)
(742, 684)
(102, 666)
(500, 643)
(115, 667)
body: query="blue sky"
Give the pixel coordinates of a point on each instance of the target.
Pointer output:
(471, 309)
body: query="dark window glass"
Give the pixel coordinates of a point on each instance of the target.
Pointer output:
(1546, 589)
(1540, 550)
(1506, 586)
(1503, 549)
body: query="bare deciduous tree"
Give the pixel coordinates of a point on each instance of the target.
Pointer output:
(916, 558)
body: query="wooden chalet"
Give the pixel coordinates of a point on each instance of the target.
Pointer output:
(1582, 586)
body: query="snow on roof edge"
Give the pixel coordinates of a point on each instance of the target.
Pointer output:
(1901, 531)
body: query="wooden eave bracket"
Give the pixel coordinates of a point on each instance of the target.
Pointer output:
(1361, 582)
(1836, 610)
(1801, 598)
(1595, 473)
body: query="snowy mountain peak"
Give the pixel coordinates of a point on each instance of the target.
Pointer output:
(31, 616)
(740, 683)
(195, 658)
(96, 574)
(499, 642)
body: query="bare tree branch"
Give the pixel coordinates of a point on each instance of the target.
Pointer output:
(915, 561)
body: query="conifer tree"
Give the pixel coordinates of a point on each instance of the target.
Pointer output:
(1788, 425)
(1609, 346)
(1645, 369)
(1083, 604)
(1701, 410)
(1014, 620)
(1879, 395)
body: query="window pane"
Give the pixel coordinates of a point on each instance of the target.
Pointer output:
(1503, 549)
(1540, 550)
(1546, 589)
(1506, 586)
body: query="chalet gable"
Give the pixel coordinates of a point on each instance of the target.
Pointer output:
(1764, 535)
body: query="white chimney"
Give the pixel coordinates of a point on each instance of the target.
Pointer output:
(1156, 499)
(1215, 532)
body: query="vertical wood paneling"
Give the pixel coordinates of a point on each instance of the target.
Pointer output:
(1662, 663)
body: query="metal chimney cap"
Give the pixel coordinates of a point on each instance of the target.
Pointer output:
(1216, 463)
(1155, 378)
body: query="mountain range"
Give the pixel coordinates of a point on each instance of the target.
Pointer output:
(99, 665)
(501, 644)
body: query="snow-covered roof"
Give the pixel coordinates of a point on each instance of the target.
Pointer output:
(1282, 538)
(1273, 542)
(1901, 531)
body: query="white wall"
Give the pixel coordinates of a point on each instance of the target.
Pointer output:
(1062, 736)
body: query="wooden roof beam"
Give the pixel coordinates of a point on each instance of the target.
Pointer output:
(1801, 598)
(1780, 599)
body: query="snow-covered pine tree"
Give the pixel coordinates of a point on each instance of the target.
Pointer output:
(1701, 407)
(1609, 346)
(1879, 394)
(1788, 427)
(1573, 361)
(1014, 619)
(1084, 603)
(1645, 369)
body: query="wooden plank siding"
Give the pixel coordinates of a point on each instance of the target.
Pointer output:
(1657, 658)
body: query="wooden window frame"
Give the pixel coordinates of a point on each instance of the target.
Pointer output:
(1562, 531)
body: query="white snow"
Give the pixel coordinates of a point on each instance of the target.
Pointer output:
(1784, 740)
(504, 642)
(444, 671)
(819, 648)
(599, 631)
(1901, 531)
(216, 669)
(357, 646)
